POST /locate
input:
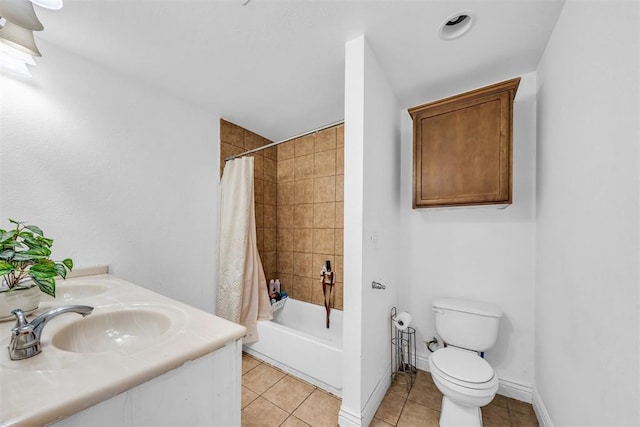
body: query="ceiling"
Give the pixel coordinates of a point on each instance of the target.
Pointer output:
(277, 67)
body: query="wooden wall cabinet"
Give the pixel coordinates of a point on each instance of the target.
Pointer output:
(462, 148)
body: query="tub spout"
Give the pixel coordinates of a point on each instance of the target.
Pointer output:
(25, 337)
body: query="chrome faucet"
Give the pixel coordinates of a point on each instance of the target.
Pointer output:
(25, 337)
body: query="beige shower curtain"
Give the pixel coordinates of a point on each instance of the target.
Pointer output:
(242, 295)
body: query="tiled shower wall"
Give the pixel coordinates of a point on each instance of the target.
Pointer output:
(299, 206)
(235, 140)
(310, 213)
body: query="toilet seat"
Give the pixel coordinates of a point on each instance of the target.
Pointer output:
(463, 368)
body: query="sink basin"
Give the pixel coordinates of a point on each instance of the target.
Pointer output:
(122, 330)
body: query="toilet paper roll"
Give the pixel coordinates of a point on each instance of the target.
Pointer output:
(402, 321)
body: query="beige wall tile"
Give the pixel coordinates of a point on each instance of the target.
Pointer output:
(338, 292)
(302, 288)
(339, 188)
(340, 161)
(286, 281)
(285, 170)
(285, 216)
(270, 239)
(269, 261)
(271, 153)
(324, 215)
(324, 163)
(339, 241)
(252, 140)
(303, 192)
(323, 240)
(285, 262)
(259, 215)
(324, 189)
(284, 238)
(326, 140)
(258, 191)
(339, 214)
(270, 216)
(318, 262)
(303, 240)
(285, 193)
(270, 171)
(286, 150)
(340, 136)
(303, 264)
(337, 267)
(270, 193)
(317, 295)
(303, 216)
(231, 134)
(304, 145)
(258, 166)
(260, 238)
(303, 167)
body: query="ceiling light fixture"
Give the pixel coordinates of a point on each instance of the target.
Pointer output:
(456, 25)
(18, 21)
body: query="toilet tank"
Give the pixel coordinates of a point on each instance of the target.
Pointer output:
(468, 324)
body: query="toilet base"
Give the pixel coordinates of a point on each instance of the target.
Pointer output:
(453, 414)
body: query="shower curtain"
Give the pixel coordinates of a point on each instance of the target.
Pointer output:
(242, 295)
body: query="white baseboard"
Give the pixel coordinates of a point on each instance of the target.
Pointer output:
(541, 411)
(348, 418)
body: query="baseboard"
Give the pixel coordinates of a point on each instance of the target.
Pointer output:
(514, 390)
(348, 418)
(541, 411)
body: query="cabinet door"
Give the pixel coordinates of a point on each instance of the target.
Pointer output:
(462, 150)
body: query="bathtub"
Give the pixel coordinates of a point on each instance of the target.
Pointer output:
(298, 342)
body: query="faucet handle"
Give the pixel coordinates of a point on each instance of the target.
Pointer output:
(21, 320)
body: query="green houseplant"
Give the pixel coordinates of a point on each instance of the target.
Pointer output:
(24, 255)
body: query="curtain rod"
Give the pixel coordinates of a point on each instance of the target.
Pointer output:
(273, 144)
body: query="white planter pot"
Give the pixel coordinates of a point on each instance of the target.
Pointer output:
(26, 299)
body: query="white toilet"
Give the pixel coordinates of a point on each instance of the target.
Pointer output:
(465, 379)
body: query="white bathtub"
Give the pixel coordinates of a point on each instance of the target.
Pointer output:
(298, 342)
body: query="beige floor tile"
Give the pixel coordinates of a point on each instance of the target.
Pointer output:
(415, 414)
(288, 393)
(247, 396)
(519, 419)
(399, 386)
(294, 422)
(494, 415)
(518, 406)
(262, 413)
(500, 400)
(427, 396)
(390, 408)
(261, 378)
(320, 409)
(249, 362)
(377, 422)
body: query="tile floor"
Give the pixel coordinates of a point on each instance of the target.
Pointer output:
(271, 397)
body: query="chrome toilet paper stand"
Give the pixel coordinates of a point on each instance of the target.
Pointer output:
(403, 353)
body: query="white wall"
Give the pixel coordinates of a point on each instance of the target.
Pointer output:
(587, 250)
(480, 253)
(116, 172)
(372, 182)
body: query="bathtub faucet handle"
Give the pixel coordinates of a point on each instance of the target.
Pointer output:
(377, 285)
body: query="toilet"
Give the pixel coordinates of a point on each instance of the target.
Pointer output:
(466, 380)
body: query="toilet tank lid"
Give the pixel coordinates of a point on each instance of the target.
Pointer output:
(467, 306)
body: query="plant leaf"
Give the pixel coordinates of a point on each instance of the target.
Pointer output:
(32, 254)
(61, 270)
(13, 221)
(68, 262)
(7, 253)
(35, 229)
(47, 285)
(43, 271)
(8, 235)
(5, 268)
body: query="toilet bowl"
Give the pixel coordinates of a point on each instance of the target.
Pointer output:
(467, 382)
(465, 379)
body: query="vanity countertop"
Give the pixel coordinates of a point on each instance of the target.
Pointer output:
(57, 383)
